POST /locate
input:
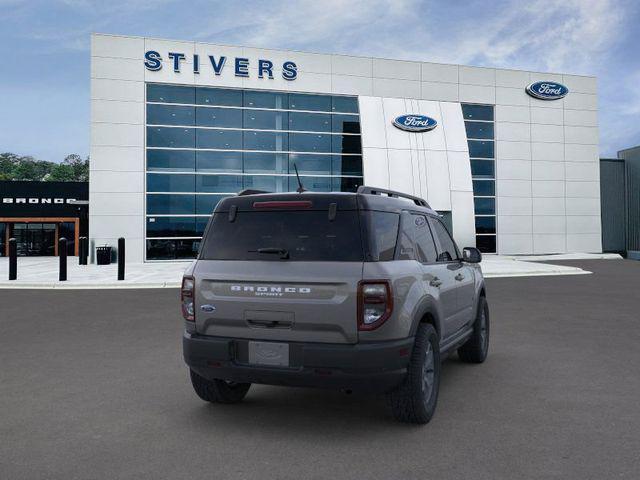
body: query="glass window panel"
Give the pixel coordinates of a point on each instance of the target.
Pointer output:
(260, 162)
(257, 99)
(484, 188)
(172, 249)
(477, 112)
(310, 142)
(218, 183)
(425, 246)
(483, 168)
(384, 233)
(170, 137)
(486, 243)
(167, 182)
(481, 149)
(347, 165)
(347, 144)
(316, 103)
(223, 97)
(447, 250)
(218, 161)
(310, 163)
(479, 129)
(169, 115)
(485, 206)
(345, 123)
(172, 203)
(171, 160)
(170, 94)
(171, 227)
(310, 122)
(485, 224)
(219, 117)
(265, 120)
(205, 204)
(223, 139)
(201, 225)
(265, 141)
(345, 184)
(344, 104)
(313, 184)
(268, 183)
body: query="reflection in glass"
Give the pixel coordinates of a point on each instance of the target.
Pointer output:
(170, 93)
(265, 120)
(168, 182)
(267, 183)
(171, 160)
(172, 137)
(477, 112)
(219, 117)
(345, 104)
(258, 99)
(482, 168)
(484, 206)
(170, 204)
(310, 122)
(485, 224)
(345, 124)
(230, 162)
(486, 243)
(170, 114)
(261, 162)
(219, 97)
(222, 139)
(347, 144)
(345, 184)
(484, 188)
(309, 163)
(265, 141)
(205, 204)
(171, 227)
(481, 149)
(479, 129)
(310, 142)
(316, 103)
(218, 183)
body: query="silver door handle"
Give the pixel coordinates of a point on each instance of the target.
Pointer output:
(459, 277)
(436, 282)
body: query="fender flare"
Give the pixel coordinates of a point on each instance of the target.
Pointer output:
(427, 306)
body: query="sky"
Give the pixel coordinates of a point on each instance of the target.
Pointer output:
(44, 77)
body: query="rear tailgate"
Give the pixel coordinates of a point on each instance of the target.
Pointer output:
(283, 301)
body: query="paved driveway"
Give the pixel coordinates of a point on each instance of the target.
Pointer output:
(92, 385)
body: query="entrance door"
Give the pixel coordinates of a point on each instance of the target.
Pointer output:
(35, 239)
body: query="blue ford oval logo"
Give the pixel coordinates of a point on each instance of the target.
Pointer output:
(415, 123)
(547, 90)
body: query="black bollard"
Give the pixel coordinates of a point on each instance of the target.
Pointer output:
(13, 259)
(80, 250)
(62, 253)
(121, 258)
(85, 260)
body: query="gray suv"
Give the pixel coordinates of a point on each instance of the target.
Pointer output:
(361, 291)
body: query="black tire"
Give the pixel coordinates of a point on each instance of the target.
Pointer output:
(218, 391)
(414, 401)
(475, 350)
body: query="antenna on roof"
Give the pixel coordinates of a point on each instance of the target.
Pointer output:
(300, 188)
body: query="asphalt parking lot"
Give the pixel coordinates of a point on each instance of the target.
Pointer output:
(92, 386)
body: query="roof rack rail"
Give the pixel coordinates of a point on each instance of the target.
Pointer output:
(364, 190)
(250, 191)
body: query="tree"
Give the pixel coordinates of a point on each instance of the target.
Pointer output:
(16, 167)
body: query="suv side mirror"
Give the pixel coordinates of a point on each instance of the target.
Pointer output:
(471, 255)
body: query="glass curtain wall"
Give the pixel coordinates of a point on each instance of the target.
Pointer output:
(204, 143)
(479, 124)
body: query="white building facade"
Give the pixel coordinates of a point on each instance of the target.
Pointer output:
(177, 125)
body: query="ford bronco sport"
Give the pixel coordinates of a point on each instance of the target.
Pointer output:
(356, 291)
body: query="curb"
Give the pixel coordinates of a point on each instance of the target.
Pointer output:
(86, 286)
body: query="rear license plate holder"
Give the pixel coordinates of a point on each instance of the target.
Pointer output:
(274, 354)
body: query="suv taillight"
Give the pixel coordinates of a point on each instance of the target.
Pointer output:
(375, 303)
(186, 298)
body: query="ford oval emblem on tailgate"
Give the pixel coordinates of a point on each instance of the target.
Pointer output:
(207, 308)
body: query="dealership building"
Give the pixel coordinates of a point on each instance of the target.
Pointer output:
(508, 157)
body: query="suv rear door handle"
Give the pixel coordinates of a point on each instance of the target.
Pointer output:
(436, 282)
(459, 277)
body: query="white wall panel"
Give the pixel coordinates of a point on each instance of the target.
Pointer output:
(512, 113)
(547, 133)
(512, 78)
(384, 87)
(127, 226)
(477, 93)
(547, 243)
(372, 122)
(375, 167)
(548, 188)
(515, 132)
(583, 206)
(550, 224)
(459, 171)
(581, 153)
(548, 152)
(581, 101)
(580, 84)
(439, 91)
(582, 171)
(512, 96)
(513, 188)
(513, 150)
(581, 135)
(396, 138)
(435, 139)
(112, 134)
(346, 65)
(544, 206)
(117, 182)
(519, 244)
(583, 189)
(396, 69)
(121, 204)
(477, 75)
(122, 90)
(464, 228)
(439, 72)
(117, 46)
(513, 206)
(550, 116)
(116, 158)
(401, 171)
(583, 224)
(438, 186)
(455, 134)
(515, 224)
(584, 242)
(351, 85)
(513, 170)
(117, 68)
(547, 170)
(584, 118)
(112, 111)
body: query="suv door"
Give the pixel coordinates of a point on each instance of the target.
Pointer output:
(437, 278)
(463, 275)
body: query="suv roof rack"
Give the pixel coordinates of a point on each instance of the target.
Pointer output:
(364, 190)
(250, 191)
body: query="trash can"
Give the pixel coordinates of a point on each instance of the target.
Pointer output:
(103, 255)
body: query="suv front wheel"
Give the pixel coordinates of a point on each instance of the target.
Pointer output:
(414, 401)
(218, 391)
(475, 349)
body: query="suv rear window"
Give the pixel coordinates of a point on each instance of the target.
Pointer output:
(304, 235)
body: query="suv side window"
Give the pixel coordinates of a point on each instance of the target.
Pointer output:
(425, 246)
(406, 249)
(448, 250)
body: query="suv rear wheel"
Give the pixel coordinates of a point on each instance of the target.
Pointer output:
(475, 350)
(218, 391)
(414, 401)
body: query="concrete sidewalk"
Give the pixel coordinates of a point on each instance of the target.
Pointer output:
(42, 272)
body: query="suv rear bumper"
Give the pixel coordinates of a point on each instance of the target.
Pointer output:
(371, 367)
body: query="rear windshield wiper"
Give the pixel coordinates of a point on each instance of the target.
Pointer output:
(284, 253)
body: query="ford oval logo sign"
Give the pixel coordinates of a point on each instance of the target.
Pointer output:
(415, 123)
(547, 90)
